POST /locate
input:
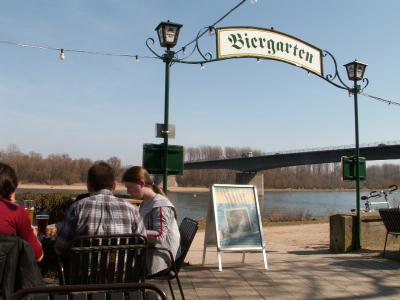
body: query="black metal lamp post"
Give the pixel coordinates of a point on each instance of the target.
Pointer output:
(168, 34)
(355, 71)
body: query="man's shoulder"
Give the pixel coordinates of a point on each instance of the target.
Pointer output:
(106, 197)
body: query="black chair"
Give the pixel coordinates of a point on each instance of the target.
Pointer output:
(115, 291)
(391, 220)
(187, 229)
(105, 259)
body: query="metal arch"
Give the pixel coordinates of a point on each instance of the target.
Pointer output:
(333, 77)
(200, 34)
(187, 56)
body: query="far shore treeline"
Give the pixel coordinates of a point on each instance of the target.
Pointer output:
(32, 167)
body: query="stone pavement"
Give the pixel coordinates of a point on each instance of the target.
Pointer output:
(296, 271)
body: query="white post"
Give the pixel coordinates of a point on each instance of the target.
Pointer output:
(219, 261)
(265, 258)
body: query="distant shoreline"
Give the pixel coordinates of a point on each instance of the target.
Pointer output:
(189, 189)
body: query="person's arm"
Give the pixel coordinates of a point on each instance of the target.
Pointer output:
(27, 233)
(67, 232)
(162, 218)
(138, 226)
(134, 202)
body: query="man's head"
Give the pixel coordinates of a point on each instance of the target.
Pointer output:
(8, 181)
(100, 176)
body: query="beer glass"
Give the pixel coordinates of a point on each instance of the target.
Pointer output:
(42, 220)
(30, 208)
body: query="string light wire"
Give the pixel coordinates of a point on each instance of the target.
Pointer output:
(77, 50)
(389, 102)
(212, 26)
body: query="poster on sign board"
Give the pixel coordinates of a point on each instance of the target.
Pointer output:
(237, 217)
(234, 222)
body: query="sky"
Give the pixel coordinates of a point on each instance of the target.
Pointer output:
(96, 106)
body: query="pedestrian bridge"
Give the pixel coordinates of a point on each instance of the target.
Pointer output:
(377, 151)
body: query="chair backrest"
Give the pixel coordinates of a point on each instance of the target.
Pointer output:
(187, 230)
(106, 259)
(391, 219)
(115, 291)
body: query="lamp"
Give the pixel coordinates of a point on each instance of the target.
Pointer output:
(355, 70)
(168, 34)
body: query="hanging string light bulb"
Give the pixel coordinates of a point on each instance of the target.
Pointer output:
(211, 31)
(253, 1)
(258, 59)
(201, 66)
(184, 50)
(137, 58)
(62, 55)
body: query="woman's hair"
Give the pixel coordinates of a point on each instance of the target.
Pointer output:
(8, 181)
(140, 174)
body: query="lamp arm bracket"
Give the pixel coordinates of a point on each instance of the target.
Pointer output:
(151, 49)
(366, 82)
(195, 62)
(334, 78)
(206, 56)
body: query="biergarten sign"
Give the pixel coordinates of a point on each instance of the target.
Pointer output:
(236, 42)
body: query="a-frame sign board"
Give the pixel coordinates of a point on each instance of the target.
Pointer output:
(234, 221)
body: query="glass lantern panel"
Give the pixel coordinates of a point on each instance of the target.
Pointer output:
(160, 35)
(170, 33)
(350, 71)
(360, 71)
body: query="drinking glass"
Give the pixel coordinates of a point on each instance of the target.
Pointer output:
(30, 208)
(42, 220)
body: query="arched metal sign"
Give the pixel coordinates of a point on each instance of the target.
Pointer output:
(236, 42)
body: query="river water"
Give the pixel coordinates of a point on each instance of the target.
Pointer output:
(317, 204)
(195, 205)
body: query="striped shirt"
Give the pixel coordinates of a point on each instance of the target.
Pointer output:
(100, 214)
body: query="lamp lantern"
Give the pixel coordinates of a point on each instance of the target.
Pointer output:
(168, 34)
(355, 70)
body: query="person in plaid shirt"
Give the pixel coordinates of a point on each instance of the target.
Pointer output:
(99, 214)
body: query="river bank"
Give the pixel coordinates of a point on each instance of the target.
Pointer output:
(82, 187)
(178, 189)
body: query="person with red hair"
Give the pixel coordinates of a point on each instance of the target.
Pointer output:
(159, 217)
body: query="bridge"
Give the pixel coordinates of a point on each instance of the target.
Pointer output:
(381, 151)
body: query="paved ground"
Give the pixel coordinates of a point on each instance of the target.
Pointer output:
(300, 267)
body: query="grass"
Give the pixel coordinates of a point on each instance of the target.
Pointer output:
(279, 218)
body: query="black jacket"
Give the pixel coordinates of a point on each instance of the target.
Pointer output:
(18, 268)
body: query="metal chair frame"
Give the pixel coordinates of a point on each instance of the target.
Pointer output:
(114, 291)
(105, 259)
(187, 229)
(391, 220)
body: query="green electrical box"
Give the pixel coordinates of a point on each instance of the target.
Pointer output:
(349, 168)
(153, 159)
